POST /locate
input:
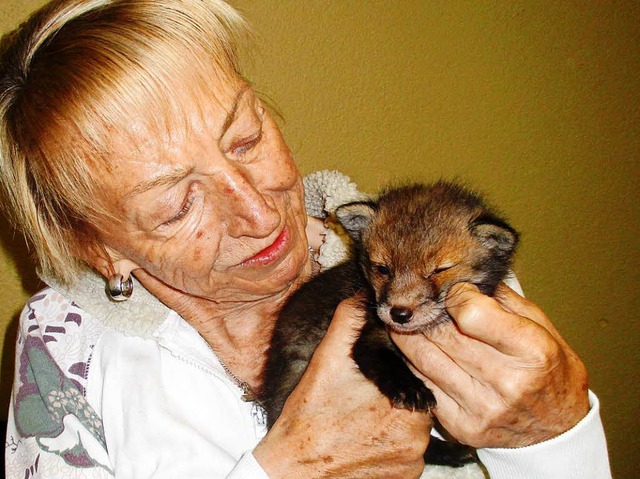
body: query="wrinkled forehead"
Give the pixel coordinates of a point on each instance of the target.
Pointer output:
(169, 128)
(169, 122)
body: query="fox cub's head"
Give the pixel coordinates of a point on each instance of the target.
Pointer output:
(417, 241)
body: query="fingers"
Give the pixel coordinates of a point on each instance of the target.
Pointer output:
(435, 367)
(514, 303)
(316, 232)
(485, 319)
(491, 368)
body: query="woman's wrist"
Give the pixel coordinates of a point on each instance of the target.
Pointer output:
(273, 464)
(579, 453)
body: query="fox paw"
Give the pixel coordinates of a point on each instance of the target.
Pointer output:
(415, 399)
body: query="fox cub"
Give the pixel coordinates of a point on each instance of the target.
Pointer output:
(409, 247)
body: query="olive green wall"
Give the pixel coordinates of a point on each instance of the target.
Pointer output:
(535, 103)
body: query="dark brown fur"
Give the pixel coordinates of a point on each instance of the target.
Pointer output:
(410, 247)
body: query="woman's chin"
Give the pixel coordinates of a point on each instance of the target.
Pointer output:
(263, 281)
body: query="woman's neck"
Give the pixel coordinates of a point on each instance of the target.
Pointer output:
(238, 332)
(240, 336)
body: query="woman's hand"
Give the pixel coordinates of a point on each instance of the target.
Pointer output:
(502, 374)
(337, 424)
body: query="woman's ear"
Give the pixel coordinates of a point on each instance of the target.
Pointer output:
(107, 261)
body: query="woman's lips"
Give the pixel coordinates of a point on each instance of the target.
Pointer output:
(273, 252)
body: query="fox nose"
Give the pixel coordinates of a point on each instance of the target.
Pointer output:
(400, 314)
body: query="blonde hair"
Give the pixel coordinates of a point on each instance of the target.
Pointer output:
(71, 78)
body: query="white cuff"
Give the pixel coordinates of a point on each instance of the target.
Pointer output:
(579, 453)
(247, 468)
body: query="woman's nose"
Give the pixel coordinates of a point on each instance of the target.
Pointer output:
(248, 211)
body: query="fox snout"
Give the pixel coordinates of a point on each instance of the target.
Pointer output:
(401, 314)
(409, 318)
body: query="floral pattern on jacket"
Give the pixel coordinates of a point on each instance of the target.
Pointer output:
(51, 420)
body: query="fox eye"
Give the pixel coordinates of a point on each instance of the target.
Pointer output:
(442, 268)
(383, 270)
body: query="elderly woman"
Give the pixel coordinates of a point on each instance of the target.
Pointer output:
(132, 147)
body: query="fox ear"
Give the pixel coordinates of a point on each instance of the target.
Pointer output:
(495, 234)
(356, 217)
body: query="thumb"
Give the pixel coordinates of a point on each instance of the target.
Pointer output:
(348, 320)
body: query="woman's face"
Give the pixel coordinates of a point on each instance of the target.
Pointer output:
(217, 211)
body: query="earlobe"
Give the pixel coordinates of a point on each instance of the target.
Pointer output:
(109, 262)
(117, 270)
(124, 267)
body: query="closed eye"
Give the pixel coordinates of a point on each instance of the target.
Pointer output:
(245, 145)
(187, 205)
(442, 269)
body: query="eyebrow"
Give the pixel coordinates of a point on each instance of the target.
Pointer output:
(171, 178)
(233, 112)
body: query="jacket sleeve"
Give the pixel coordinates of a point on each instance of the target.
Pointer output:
(580, 453)
(247, 468)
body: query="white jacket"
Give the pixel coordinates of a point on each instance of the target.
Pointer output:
(131, 390)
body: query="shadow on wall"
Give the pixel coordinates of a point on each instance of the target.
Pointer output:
(8, 356)
(3, 433)
(12, 245)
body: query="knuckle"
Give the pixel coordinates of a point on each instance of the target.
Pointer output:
(475, 310)
(511, 388)
(471, 310)
(422, 358)
(547, 355)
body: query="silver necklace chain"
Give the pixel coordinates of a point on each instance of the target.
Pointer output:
(247, 393)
